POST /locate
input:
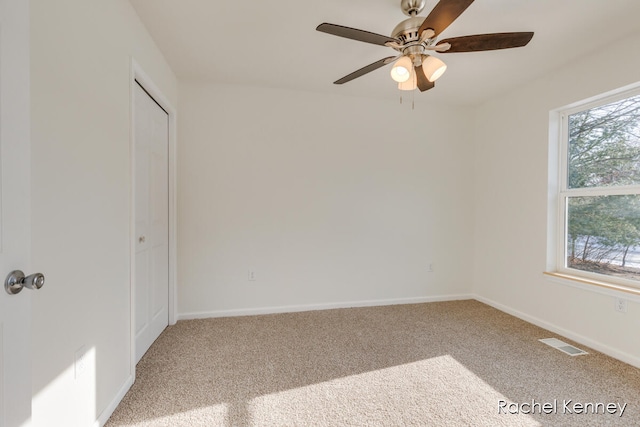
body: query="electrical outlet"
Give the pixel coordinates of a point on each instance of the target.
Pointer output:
(621, 305)
(80, 362)
(251, 276)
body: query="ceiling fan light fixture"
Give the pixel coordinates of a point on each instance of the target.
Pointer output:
(433, 67)
(415, 36)
(401, 71)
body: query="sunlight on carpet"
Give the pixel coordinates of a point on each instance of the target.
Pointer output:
(438, 390)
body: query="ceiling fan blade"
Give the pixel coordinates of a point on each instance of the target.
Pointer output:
(364, 70)
(445, 12)
(423, 82)
(480, 42)
(355, 34)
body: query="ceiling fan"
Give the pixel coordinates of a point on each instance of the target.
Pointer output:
(416, 37)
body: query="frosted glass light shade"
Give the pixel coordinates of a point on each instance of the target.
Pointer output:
(401, 70)
(433, 68)
(411, 83)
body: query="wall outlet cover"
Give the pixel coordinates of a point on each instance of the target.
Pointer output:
(621, 305)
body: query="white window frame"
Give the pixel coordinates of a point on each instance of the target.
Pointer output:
(560, 193)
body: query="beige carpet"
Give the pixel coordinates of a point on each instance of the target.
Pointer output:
(458, 363)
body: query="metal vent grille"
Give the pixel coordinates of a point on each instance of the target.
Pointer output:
(563, 346)
(409, 37)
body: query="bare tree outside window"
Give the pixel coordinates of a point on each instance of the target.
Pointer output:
(603, 189)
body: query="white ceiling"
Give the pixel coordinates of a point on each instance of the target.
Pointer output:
(273, 43)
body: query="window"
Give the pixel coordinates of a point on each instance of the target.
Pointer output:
(599, 190)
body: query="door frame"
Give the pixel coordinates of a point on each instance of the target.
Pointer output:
(138, 75)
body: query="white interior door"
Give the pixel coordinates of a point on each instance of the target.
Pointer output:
(15, 310)
(151, 131)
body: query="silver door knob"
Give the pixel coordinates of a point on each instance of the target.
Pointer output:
(16, 280)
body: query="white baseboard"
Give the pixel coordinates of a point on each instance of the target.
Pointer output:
(313, 307)
(106, 413)
(602, 348)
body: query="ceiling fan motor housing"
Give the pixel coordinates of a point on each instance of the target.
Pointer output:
(407, 30)
(411, 44)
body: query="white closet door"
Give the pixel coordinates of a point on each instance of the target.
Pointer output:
(151, 131)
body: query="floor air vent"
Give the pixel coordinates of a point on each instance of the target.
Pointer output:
(563, 346)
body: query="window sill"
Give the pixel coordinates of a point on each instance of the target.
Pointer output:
(605, 288)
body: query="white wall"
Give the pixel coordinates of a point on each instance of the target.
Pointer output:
(80, 199)
(511, 152)
(331, 200)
